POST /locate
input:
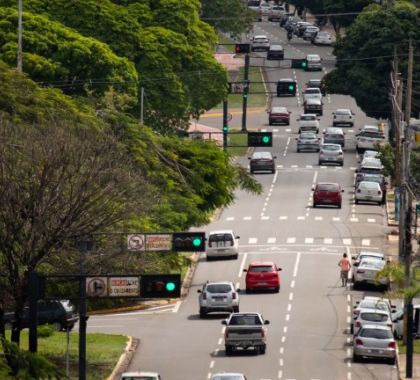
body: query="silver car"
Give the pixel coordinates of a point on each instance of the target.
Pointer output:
(363, 254)
(331, 153)
(372, 316)
(368, 192)
(260, 43)
(228, 376)
(366, 273)
(218, 296)
(376, 342)
(371, 303)
(308, 141)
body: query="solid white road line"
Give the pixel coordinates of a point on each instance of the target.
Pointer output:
(241, 268)
(292, 284)
(295, 269)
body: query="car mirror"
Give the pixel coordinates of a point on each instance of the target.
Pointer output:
(313, 189)
(237, 237)
(342, 190)
(266, 322)
(274, 157)
(199, 291)
(224, 322)
(357, 170)
(356, 264)
(238, 290)
(279, 269)
(354, 257)
(296, 138)
(357, 302)
(245, 270)
(249, 158)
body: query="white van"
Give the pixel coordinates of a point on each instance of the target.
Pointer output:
(222, 243)
(313, 62)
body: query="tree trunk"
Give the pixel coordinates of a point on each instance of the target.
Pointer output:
(17, 321)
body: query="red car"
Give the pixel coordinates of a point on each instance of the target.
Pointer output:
(279, 115)
(262, 275)
(327, 194)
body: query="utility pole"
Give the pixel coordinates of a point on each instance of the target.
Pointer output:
(407, 202)
(141, 104)
(225, 123)
(19, 52)
(245, 92)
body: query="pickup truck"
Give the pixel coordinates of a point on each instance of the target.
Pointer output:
(245, 330)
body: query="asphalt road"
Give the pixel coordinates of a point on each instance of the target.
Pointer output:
(308, 336)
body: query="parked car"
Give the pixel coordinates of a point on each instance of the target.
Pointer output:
(374, 341)
(279, 115)
(307, 141)
(262, 161)
(275, 52)
(317, 83)
(312, 93)
(398, 322)
(265, 9)
(218, 296)
(363, 254)
(370, 166)
(276, 13)
(313, 105)
(322, 38)
(327, 194)
(369, 140)
(259, 43)
(343, 116)
(331, 153)
(245, 330)
(300, 28)
(366, 273)
(222, 243)
(334, 135)
(371, 303)
(286, 87)
(368, 192)
(310, 32)
(308, 120)
(370, 154)
(228, 376)
(262, 275)
(314, 62)
(372, 316)
(60, 314)
(140, 376)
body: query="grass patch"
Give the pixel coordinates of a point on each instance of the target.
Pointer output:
(102, 351)
(237, 138)
(226, 48)
(403, 349)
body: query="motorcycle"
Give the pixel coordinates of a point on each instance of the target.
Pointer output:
(289, 35)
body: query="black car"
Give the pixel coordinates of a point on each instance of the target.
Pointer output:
(379, 178)
(262, 161)
(275, 52)
(59, 314)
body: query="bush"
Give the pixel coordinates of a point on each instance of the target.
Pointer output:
(45, 331)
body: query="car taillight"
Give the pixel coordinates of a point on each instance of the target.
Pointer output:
(204, 295)
(389, 325)
(356, 312)
(358, 324)
(358, 342)
(262, 333)
(392, 345)
(340, 154)
(234, 296)
(360, 271)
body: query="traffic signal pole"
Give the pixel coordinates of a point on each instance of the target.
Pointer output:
(225, 123)
(245, 92)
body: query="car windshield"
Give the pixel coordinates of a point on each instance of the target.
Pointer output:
(372, 264)
(331, 147)
(323, 34)
(327, 187)
(375, 333)
(312, 91)
(374, 317)
(238, 320)
(219, 288)
(227, 377)
(342, 113)
(370, 304)
(333, 136)
(261, 268)
(314, 83)
(308, 136)
(372, 135)
(262, 155)
(220, 238)
(308, 117)
(368, 185)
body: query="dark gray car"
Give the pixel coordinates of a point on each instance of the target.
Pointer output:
(262, 161)
(307, 141)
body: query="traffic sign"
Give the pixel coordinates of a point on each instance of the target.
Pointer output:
(96, 286)
(124, 286)
(135, 242)
(158, 242)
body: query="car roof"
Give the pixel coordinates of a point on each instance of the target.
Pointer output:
(370, 128)
(260, 36)
(333, 130)
(313, 88)
(309, 114)
(262, 155)
(375, 254)
(136, 373)
(328, 183)
(287, 80)
(313, 100)
(221, 232)
(228, 374)
(314, 80)
(279, 109)
(276, 47)
(313, 56)
(260, 263)
(219, 282)
(338, 146)
(343, 110)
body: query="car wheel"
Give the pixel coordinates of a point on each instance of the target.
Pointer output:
(251, 171)
(298, 150)
(277, 289)
(235, 256)
(248, 291)
(356, 201)
(356, 358)
(236, 309)
(202, 312)
(69, 327)
(208, 258)
(273, 171)
(352, 329)
(228, 350)
(288, 123)
(319, 163)
(57, 326)
(339, 205)
(314, 205)
(262, 349)
(341, 163)
(355, 285)
(380, 203)
(270, 123)
(392, 361)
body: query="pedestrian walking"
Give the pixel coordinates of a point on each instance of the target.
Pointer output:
(345, 266)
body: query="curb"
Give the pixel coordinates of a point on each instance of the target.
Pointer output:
(125, 358)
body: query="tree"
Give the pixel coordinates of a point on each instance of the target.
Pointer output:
(364, 64)
(228, 16)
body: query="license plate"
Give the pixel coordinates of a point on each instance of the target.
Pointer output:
(368, 197)
(261, 283)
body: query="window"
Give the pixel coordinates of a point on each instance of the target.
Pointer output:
(219, 288)
(327, 187)
(261, 269)
(376, 333)
(374, 317)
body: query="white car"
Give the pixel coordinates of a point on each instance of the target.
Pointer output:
(363, 254)
(370, 154)
(312, 93)
(369, 140)
(228, 376)
(265, 9)
(322, 38)
(308, 120)
(374, 303)
(343, 116)
(368, 192)
(260, 43)
(140, 376)
(222, 243)
(314, 62)
(366, 273)
(372, 316)
(309, 32)
(276, 13)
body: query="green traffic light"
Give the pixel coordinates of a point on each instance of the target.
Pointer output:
(266, 139)
(197, 241)
(304, 63)
(291, 87)
(170, 286)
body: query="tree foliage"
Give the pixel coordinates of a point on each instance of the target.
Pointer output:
(364, 56)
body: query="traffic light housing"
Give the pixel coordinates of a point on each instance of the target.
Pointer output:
(242, 48)
(286, 87)
(301, 63)
(189, 241)
(260, 139)
(160, 286)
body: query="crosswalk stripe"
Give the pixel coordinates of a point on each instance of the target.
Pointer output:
(336, 219)
(370, 220)
(271, 240)
(230, 218)
(318, 218)
(265, 217)
(291, 240)
(328, 241)
(300, 218)
(309, 240)
(247, 217)
(347, 241)
(252, 240)
(365, 242)
(283, 217)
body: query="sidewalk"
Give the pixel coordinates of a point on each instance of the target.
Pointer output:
(392, 251)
